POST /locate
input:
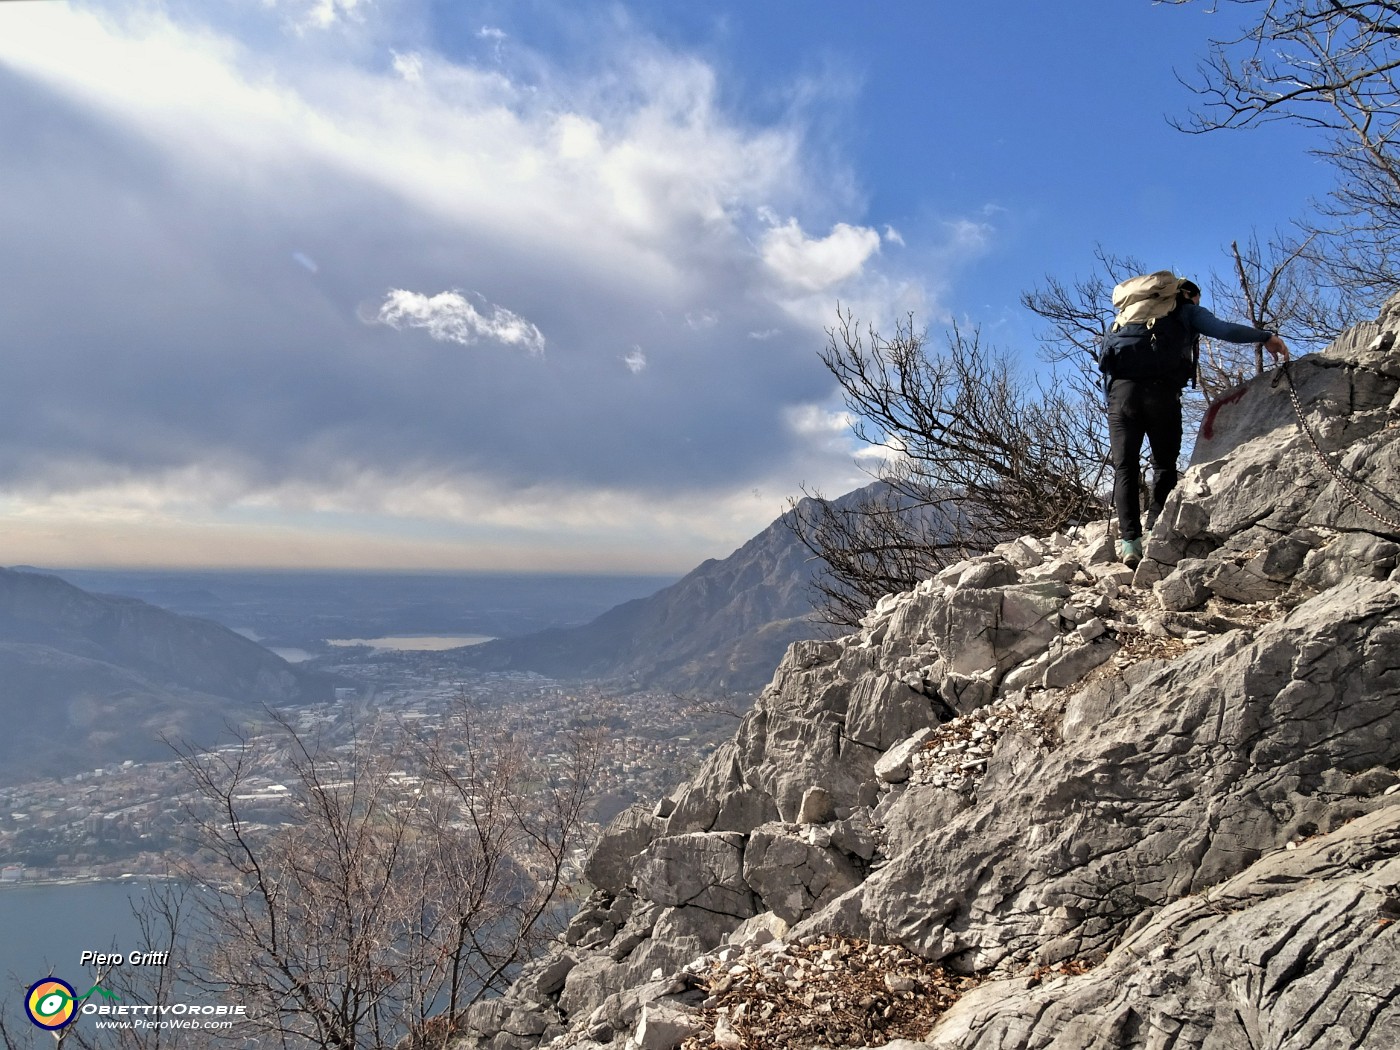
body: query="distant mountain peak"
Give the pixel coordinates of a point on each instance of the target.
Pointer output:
(724, 625)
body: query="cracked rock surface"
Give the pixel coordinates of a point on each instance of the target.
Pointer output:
(1297, 951)
(1087, 808)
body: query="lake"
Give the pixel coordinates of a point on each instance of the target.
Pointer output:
(415, 642)
(45, 928)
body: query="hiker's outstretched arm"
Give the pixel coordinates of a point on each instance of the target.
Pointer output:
(1207, 324)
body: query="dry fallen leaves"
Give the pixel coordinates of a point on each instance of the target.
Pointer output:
(832, 992)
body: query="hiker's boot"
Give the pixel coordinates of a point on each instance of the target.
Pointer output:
(1130, 552)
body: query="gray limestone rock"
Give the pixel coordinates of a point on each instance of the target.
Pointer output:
(698, 870)
(637, 925)
(1245, 583)
(1361, 343)
(764, 928)
(680, 935)
(1076, 661)
(506, 1024)
(609, 867)
(618, 1012)
(1024, 553)
(1349, 555)
(992, 571)
(589, 983)
(664, 1026)
(1099, 549)
(893, 767)
(593, 916)
(1030, 674)
(1263, 411)
(794, 877)
(1185, 587)
(1062, 570)
(718, 799)
(544, 979)
(883, 710)
(855, 837)
(818, 807)
(1161, 799)
(1298, 951)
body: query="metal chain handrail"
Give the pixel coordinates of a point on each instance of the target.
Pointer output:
(1348, 484)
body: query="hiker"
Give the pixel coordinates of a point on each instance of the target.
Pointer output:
(1149, 355)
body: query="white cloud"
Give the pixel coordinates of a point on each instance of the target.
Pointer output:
(450, 318)
(409, 66)
(894, 236)
(815, 265)
(303, 15)
(497, 38)
(216, 515)
(611, 210)
(326, 13)
(817, 421)
(965, 235)
(578, 138)
(635, 174)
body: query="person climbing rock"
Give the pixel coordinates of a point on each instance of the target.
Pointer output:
(1149, 355)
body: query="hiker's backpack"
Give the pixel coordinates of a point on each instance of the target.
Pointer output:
(1149, 340)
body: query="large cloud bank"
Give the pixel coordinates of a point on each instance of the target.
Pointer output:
(300, 270)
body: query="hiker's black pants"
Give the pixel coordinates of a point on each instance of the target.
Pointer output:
(1136, 410)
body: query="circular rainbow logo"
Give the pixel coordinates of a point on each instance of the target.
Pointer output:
(51, 1003)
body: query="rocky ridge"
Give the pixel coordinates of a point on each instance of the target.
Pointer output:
(1101, 808)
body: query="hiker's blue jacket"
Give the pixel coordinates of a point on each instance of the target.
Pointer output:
(1203, 322)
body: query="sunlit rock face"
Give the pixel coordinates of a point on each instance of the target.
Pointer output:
(1105, 808)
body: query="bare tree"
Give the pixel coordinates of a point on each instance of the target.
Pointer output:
(519, 819)
(406, 878)
(876, 541)
(1080, 312)
(1330, 67)
(1273, 284)
(1276, 285)
(975, 454)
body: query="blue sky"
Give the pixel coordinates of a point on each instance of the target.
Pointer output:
(517, 285)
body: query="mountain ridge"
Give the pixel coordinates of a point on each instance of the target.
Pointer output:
(90, 679)
(720, 627)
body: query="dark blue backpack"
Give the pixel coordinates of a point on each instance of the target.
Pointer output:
(1163, 351)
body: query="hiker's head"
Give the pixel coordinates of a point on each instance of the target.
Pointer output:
(1188, 289)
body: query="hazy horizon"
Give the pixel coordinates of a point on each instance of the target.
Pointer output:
(350, 570)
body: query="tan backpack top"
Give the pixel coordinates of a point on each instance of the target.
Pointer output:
(1145, 299)
(1149, 341)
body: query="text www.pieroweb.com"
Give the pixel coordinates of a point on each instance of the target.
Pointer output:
(179, 1017)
